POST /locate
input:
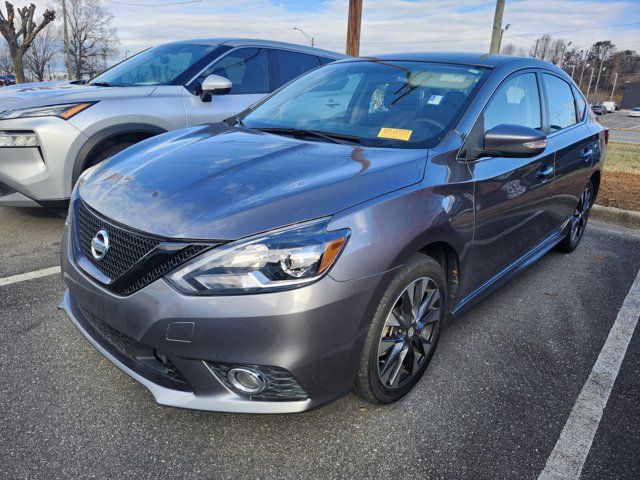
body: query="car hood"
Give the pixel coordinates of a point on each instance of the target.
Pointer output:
(224, 183)
(29, 95)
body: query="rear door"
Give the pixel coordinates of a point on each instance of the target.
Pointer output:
(287, 65)
(248, 70)
(570, 137)
(512, 204)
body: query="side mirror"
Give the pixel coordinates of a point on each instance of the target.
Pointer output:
(514, 141)
(214, 85)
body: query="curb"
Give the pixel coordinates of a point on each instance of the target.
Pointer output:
(624, 218)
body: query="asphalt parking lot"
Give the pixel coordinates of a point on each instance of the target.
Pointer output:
(503, 383)
(623, 127)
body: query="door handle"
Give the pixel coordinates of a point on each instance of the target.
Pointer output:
(544, 174)
(586, 153)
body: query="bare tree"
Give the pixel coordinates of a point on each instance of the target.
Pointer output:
(19, 38)
(43, 50)
(6, 64)
(508, 49)
(92, 38)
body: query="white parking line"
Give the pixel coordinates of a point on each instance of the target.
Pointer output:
(571, 449)
(29, 276)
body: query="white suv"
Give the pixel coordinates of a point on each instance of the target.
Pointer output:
(51, 132)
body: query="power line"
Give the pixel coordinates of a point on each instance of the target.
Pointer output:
(129, 4)
(487, 38)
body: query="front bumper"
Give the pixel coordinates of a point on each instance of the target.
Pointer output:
(315, 333)
(42, 173)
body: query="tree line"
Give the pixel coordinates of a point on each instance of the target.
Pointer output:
(598, 70)
(78, 33)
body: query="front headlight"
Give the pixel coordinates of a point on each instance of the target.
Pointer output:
(280, 260)
(64, 111)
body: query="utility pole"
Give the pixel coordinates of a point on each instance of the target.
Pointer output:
(615, 80)
(65, 29)
(353, 27)
(496, 33)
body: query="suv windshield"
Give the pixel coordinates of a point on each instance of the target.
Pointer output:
(377, 103)
(156, 66)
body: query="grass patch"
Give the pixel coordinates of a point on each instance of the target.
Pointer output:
(621, 178)
(622, 157)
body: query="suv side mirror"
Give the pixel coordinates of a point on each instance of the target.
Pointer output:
(214, 85)
(514, 141)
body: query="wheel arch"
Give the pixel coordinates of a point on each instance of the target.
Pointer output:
(595, 180)
(446, 255)
(97, 140)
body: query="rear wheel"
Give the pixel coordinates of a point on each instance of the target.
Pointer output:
(404, 332)
(578, 222)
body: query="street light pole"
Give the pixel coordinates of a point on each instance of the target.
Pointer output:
(615, 80)
(590, 78)
(598, 79)
(308, 37)
(502, 33)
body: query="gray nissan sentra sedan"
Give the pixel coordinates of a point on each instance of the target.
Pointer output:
(319, 240)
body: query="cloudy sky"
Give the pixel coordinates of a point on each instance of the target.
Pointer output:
(388, 25)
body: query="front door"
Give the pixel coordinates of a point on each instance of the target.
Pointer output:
(512, 205)
(247, 69)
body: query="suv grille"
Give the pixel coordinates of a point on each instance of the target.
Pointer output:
(134, 260)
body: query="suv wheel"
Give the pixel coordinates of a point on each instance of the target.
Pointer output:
(404, 332)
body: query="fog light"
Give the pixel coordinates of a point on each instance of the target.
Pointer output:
(18, 139)
(246, 381)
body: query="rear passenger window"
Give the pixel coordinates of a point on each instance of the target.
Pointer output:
(293, 64)
(561, 106)
(581, 104)
(516, 102)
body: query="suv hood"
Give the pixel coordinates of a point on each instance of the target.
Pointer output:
(29, 95)
(223, 183)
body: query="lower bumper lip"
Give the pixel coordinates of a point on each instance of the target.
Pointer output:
(222, 401)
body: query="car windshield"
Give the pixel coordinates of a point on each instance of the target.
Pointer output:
(156, 66)
(398, 104)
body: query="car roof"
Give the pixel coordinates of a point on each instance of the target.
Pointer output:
(486, 60)
(257, 42)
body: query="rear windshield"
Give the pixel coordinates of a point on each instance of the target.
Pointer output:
(381, 103)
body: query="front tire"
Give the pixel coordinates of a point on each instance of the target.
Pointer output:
(578, 222)
(404, 332)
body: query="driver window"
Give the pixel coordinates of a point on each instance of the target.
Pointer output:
(516, 102)
(246, 68)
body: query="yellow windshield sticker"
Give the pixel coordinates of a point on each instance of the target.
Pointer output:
(395, 133)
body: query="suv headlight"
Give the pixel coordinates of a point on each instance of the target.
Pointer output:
(64, 111)
(280, 260)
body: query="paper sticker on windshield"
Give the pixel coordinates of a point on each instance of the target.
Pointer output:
(434, 100)
(395, 134)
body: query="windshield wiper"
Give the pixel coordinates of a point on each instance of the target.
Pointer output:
(297, 132)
